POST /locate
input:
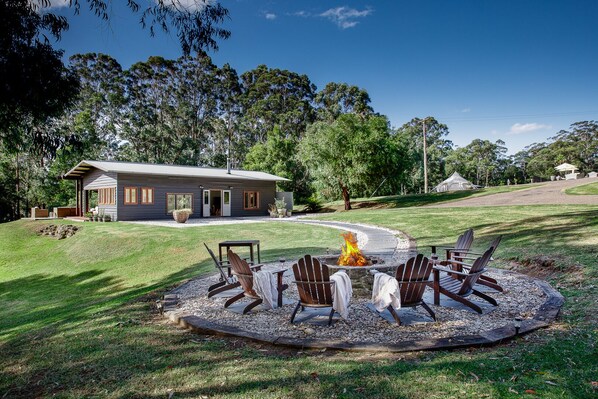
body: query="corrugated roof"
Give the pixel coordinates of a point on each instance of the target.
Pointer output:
(168, 170)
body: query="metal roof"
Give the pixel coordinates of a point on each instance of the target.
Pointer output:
(168, 170)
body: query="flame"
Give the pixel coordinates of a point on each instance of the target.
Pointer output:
(351, 254)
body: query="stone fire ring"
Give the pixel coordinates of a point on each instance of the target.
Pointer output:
(544, 315)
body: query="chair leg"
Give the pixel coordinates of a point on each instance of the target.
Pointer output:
(295, 311)
(486, 297)
(218, 284)
(394, 314)
(222, 289)
(252, 305)
(461, 300)
(490, 279)
(425, 306)
(234, 299)
(330, 317)
(281, 288)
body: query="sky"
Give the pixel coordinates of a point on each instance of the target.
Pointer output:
(517, 71)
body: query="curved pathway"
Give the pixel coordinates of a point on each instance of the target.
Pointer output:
(548, 193)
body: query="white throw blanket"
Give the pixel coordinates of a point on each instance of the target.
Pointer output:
(385, 292)
(264, 284)
(341, 293)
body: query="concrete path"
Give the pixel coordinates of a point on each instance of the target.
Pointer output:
(549, 193)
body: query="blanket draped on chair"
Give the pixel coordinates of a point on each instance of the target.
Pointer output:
(264, 284)
(342, 291)
(385, 291)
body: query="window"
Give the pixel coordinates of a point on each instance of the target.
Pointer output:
(178, 201)
(251, 200)
(147, 196)
(130, 195)
(107, 196)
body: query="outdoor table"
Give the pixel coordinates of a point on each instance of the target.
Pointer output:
(240, 243)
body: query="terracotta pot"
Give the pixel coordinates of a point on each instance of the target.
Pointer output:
(180, 217)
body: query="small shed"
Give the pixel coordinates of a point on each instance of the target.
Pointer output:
(454, 183)
(569, 170)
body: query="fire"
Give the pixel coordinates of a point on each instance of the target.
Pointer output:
(351, 254)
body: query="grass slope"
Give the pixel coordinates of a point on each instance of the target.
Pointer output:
(586, 189)
(85, 327)
(413, 200)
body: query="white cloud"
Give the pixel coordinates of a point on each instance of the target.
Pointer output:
(520, 128)
(188, 5)
(270, 16)
(465, 110)
(53, 4)
(301, 13)
(345, 17)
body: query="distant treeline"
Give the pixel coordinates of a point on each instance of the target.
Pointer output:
(192, 112)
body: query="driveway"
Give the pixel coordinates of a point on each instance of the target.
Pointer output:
(548, 193)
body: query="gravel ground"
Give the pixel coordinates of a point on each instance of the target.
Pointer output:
(522, 297)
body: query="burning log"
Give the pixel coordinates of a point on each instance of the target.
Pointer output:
(351, 255)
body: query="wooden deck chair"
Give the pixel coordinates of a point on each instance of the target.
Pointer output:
(227, 280)
(244, 274)
(462, 245)
(413, 277)
(313, 284)
(459, 285)
(470, 256)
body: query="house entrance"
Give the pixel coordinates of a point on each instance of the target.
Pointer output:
(216, 203)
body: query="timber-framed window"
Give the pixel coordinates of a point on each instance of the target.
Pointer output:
(175, 201)
(251, 200)
(147, 196)
(130, 197)
(107, 196)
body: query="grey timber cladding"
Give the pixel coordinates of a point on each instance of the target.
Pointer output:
(96, 179)
(163, 185)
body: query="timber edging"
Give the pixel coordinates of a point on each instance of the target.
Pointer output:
(545, 315)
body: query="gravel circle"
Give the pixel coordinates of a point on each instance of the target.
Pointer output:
(522, 297)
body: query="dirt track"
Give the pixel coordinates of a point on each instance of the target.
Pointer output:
(545, 194)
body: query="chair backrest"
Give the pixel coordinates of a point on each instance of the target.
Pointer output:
(463, 243)
(494, 244)
(243, 273)
(217, 263)
(413, 277)
(478, 267)
(312, 278)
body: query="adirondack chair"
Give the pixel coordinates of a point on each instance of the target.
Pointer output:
(244, 274)
(413, 277)
(313, 284)
(460, 265)
(227, 280)
(458, 285)
(462, 245)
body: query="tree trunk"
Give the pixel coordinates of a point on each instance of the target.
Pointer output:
(346, 196)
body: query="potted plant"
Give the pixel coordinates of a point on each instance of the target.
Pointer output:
(272, 210)
(101, 216)
(106, 218)
(89, 216)
(181, 215)
(281, 207)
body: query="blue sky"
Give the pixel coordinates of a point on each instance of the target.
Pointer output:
(518, 71)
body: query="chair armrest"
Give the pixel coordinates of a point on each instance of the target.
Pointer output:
(280, 271)
(255, 267)
(451, 261)
(457, 249)
(450, 271)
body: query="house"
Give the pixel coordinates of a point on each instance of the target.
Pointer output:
(137, 191)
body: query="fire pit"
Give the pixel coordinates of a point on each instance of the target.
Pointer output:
(357, 265)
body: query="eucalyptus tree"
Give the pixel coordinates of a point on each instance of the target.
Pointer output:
(337, 99)
(480, 161)
(149, 132)
(350, 156)
(410, 136)
(275, 97)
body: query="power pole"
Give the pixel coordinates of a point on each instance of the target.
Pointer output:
(425, 159)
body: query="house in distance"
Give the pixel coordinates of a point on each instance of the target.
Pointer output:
(140, 191)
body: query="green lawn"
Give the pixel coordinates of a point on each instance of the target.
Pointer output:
(76, 318)
(412, 200)
(586, 189)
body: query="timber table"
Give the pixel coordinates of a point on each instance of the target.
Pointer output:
(240, 243)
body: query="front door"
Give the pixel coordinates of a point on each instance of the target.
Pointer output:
(225, 202)
(206, 203)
